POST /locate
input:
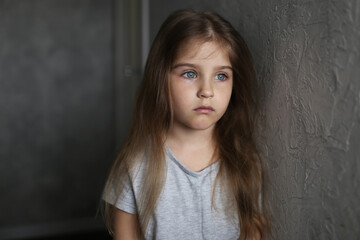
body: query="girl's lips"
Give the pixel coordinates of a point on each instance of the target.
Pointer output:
(204, 109)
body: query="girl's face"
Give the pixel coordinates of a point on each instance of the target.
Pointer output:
(201, 81)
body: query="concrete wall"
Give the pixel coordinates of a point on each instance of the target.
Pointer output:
(307, 55)
(56, 109)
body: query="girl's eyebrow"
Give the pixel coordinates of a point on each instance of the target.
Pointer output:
(184, 65)
(194, 66)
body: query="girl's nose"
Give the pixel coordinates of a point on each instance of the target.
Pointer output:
(205, 90)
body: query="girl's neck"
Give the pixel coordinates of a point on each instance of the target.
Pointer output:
(196, 149)
(191, 139)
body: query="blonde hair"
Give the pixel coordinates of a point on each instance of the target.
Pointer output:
(240, 166)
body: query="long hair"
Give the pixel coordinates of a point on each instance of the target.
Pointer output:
(240, 170)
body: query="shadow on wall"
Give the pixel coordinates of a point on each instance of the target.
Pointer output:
(56, 114)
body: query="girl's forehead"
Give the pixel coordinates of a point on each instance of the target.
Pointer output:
(192, 48)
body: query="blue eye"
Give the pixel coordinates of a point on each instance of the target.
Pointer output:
(189, 74)
(221, 77)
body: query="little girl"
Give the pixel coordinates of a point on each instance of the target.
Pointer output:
(189, 168)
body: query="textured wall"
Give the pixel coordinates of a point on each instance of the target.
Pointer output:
(307, 56)
(56, 109)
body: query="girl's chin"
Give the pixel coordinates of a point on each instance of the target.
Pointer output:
(202, 126)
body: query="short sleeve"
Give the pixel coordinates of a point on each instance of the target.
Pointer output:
(123, 199)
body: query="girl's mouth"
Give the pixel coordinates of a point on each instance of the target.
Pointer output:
(204, 109)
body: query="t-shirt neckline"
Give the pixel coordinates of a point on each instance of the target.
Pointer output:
(187, 170)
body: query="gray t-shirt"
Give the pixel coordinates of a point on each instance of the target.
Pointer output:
(184, 209)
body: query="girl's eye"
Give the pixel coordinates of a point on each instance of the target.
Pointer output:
(189, 74)
(221, 77)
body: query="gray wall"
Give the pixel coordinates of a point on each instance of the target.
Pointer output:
(56, 109)
(307, 55)
(69, 71)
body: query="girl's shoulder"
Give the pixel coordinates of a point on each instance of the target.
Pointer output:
(137, 167)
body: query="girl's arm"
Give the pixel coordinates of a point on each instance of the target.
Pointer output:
(125, 225)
